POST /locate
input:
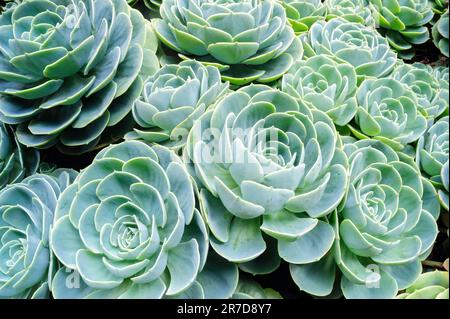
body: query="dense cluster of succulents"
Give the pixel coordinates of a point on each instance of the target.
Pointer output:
(219, 141)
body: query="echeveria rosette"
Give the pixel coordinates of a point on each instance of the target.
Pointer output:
(302, 14)
(173, 99)
(432, 156)
(272, 170)
(16, 161)
(430, 285)
(153, 5)
(385, 227)
(248, 40)
(433, 149)
(218, 278)
(70, 71)
(324, 84)
(26, 216)
(387, 220)
(128, 225)
(358, 11)
(422, 80)
(440, 34)
(388, 110)
(361, 46)
(132, 2)
(403, 22)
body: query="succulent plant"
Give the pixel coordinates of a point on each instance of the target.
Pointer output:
(404, 23)
(358, 11)
(26, 217)
(272, 170)
(324, 84)
(443, 191)
(173, 99)
(16, 161)
(302, 14)
(129, 227)
(250, 289)
(384, 227)
(430, 285)
(422, 80)
(70, 70)
(440, 34)
(388, 111)
(433, 150)
(248, 40)
(361, 46)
